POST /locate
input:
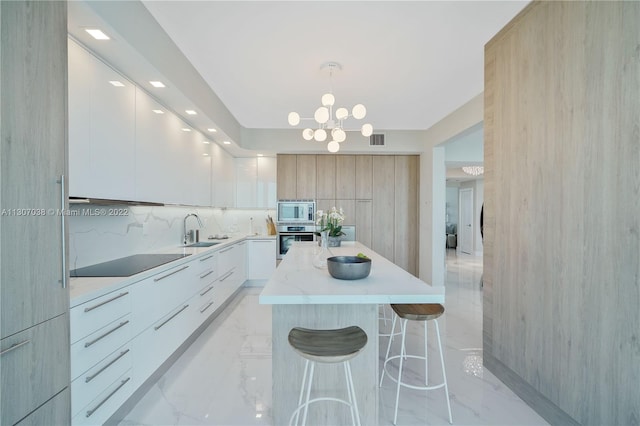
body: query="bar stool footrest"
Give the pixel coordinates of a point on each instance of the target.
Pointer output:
(406, 385)
(323, 398)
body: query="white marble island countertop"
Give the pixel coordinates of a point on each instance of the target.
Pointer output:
(297, 281)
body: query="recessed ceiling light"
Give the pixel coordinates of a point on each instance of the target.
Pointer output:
(205, 154)
(97, 34)
(158, 111)
(190, 112)
(226, 143)
(185, 129)
(260, 155)
(157, 84)
(212, 130)
(206, 142)
(116, 83)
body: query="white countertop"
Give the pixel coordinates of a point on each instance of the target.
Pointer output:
(297, 281)
(84, 289)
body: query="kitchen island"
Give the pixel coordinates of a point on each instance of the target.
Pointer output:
(305, 296)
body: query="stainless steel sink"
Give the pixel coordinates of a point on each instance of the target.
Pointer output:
(202, 244)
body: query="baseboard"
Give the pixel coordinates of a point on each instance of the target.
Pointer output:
(255, 283)
(540, 404)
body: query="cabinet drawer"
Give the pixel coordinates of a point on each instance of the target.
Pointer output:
(208, 262)
(154, 297)
(105, 404)
(96, 379)
(33, 368)
(95, 314)
(92, 349)
(158, 342)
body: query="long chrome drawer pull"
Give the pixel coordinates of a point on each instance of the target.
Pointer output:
(206, 258)
(206, 307)
(227, 249)
(206, 275)
(14, 346)
(63, 199)
(206, 291)
(122, 324)
(171, 273)
(170, 318)
(122, 383)
(93, 376)
(105, 302)
(227, 275)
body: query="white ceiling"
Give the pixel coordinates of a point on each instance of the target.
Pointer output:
(411, 63)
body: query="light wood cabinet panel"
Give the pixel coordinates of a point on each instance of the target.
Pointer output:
(33, 138)
(326, 176)
(364, 221)
(287, 176)
(324, 205)
(406, 213)
(34, 329)
(35, 369)
(384, 205)
(346, 177)
(349, 208)
(53, 412)
(561, 243)
(364, 177)
(306, 177)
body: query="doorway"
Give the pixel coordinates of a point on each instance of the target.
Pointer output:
(466, 228)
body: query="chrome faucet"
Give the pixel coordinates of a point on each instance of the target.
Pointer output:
(186, 235)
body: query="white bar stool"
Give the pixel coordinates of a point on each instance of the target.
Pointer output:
(415, 312)
(329, 347)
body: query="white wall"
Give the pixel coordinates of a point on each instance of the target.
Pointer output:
(432, 186)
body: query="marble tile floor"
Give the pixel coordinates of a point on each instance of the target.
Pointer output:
(224, 378)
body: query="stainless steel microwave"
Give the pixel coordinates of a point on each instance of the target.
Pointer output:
(296, 211)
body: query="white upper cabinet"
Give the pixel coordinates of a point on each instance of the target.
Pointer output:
(267, 188)
(101, 129)
(256, 182)
(222, 178)
(246, 182)
(153, 150)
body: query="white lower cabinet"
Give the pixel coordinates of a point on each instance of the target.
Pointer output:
(88, 386)
(120, 339)
(158, 342)
(107, 402)
(261, 259)
(159, 294)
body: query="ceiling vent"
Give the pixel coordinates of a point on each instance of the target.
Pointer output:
(376, 139)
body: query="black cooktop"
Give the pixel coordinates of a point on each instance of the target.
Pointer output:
(126, 266)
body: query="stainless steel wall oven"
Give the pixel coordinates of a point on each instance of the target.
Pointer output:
(289, 233)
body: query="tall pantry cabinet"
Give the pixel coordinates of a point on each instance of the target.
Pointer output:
(34, 302)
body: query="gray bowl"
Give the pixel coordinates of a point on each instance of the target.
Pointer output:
(348, 267)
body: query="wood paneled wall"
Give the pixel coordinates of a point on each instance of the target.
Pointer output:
(562, 208)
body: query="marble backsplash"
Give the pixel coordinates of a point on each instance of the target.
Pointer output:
(101, 233)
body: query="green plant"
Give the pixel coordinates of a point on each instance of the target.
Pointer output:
(330, 221)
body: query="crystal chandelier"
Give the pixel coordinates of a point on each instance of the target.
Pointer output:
(473, 170)
(327, 124)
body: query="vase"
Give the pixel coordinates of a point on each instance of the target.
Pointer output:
(334, 242)
(320, 259)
